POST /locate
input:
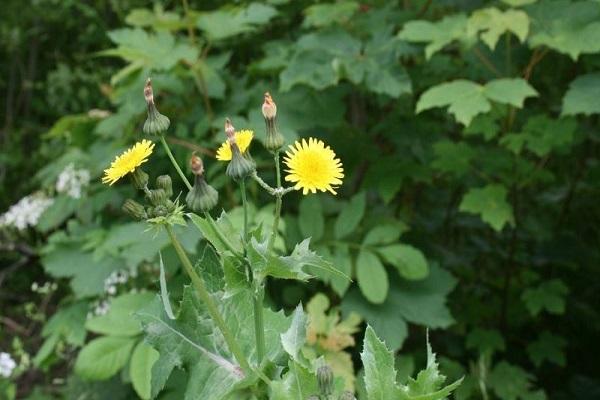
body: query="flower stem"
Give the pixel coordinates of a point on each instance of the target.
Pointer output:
(174, 162)
(278, 200)
(208, 301)
(245, 204)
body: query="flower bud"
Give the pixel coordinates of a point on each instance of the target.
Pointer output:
(157, 197)
(229, 130)
(139, 178)
(239, 167)
(164, 182)
(197, 165)
(325, 380)
(202, 197)
(274, 140)
(347, 395)
(134, 209)
(156, 123)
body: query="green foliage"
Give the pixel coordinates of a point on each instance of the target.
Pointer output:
(491, 204)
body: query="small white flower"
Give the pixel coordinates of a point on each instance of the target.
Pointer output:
(72, 181)
(7, 365)
(26, 212)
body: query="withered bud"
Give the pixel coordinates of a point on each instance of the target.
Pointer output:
(229, 131)
(269, 108)
(197, 165)
(148, 94)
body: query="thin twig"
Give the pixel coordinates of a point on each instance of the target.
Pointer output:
(486, 61)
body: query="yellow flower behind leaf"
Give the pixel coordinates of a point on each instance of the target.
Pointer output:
(128, 161)
(313, 166)
(243, 139)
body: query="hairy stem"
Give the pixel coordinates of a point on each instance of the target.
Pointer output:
(174, 162)
(208, 301)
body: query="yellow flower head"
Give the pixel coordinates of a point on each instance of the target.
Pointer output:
(313, 166)
(128, 161)
(242, 139)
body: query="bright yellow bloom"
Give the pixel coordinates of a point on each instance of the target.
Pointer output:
(128, 161)
(242, 139)
(313, 166)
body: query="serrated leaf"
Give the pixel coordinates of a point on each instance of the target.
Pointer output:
(231, 21)
(298, 383)
(452, 157)
(140, 369)
(320, 15)
(208, 232)
(569, 27)
(582, 96)
(164, 294)
(380, 373)
(509, 382)
(351, 215)
(548, 296)
(466, 99)
(547, 347)
(490, 23)
(436, 34)
(541, 135)
(408, 260)
(103, 357)
(490, 203)
(294, 338)
(120, 320)
(372, 277)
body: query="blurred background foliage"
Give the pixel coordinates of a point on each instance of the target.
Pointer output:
(469, 136)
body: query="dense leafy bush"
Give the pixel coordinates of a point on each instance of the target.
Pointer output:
(468, 134)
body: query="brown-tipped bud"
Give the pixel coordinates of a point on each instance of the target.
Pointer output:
(156, 123)
(139, 178)
(134, 209)
(229, 131)
(197, 165)
(269, 108)
(325, 379)
(164, 182)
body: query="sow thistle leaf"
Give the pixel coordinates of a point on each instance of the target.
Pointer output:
(568, 27)
(491, 204)
(436, 34)
(549, 296)
(298, 383)
(208, 232)
(582, 96)
(492, 23)
(294, 338)
(466, 99)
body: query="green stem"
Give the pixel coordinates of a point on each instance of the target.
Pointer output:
(208, 301)
(245, 204)
(259, 323)
(278, 201)
(174, 162)
(221, 236)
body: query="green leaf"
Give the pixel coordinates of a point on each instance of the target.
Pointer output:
(164, 294)
(342, 261)
(485, 341)
(582, 96)
(467, 99)
(542, 135)
(103, 357)
(320, 15)
(308, 68)
(298, 383)
(518, 3)
(140, 369)
(548, 296)
(351, 215)
(372, 277)
(451, 157)
(408, 260)
(491, 204)
(569, 27)
(509, 382)
(310, 218)
(59, 211)
(547, 347)
(380, 373)
(231, 21)
(436, 34)
(420, 302)
(490, 23)
(294, 338)
(384, 234)
(208, 232)
(119, 320)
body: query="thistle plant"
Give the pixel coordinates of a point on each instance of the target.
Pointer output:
(232, 346)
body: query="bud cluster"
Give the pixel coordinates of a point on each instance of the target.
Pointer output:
(161, 204)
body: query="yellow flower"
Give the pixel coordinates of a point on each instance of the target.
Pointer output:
(313, 166)
(242, 138)
(128, 161)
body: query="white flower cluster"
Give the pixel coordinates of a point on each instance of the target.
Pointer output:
(26, 212)
(101, 308)
(114, 279)
(72, 181)
(7, 365)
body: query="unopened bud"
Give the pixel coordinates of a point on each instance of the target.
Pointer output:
(164, 182)
(274, 140)
(156, 123)
(139, 178)
(325, 380)
(229, 131)
(239, 167)
(197, 165)
(157, 197)
(202, 197)
(134, 209)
